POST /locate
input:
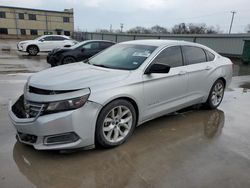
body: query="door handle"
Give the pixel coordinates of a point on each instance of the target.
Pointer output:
(182, 72)
(208, 68)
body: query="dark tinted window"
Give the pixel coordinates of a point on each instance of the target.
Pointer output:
(194, 55)
(32, 17)
(210, 56)
(170, 56)
(23, 31)
(91, 46)
(104, 45)
(58, 38)
(49, 38)
(21, 16)
(67, 33)
(33, 32)
(65, 19)
(3, 31)
(2, 15)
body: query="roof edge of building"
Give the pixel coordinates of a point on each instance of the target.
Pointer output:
(33, 9)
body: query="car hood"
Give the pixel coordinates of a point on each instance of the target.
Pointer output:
(76, 76)
(26, 41)
(60, 50)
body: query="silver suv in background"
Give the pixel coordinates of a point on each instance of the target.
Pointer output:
(102, 100)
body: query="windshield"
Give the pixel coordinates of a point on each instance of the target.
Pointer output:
(123, 56)
(39, 38)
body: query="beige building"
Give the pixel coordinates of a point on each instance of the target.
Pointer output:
(25, 21)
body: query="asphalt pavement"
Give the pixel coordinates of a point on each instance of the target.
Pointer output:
(191, 148)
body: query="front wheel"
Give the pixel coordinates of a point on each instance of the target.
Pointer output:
(216, 94)
(115, 123)
(68, 60)
(33, 50)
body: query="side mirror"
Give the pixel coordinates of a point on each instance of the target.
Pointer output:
(158, 68)
(83, 49)
(41, 40)
(67, 46)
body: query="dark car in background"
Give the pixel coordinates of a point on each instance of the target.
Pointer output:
(78, 52)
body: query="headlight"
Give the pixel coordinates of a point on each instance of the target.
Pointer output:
(65, 105)
(22, 43)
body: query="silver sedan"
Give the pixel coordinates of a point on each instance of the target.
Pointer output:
(100, 101)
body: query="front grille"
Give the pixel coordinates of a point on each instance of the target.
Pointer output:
(27, 137)
(33, 108)
(47, 92)
(27, 109)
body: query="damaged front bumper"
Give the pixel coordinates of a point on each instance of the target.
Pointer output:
(63, 130)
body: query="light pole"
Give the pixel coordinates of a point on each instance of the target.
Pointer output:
(121, 25)
(233, 12)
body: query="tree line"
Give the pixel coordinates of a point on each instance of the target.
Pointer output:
(182, 28)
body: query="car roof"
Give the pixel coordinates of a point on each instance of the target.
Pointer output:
(56, 36)
(159, 42)
(98, 41)
(163, 43)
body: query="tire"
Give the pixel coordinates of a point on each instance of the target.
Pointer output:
(33, 50)
(110, 131)
(68, 59)
(216, 94)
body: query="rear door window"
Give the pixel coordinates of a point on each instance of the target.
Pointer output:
(193, 55)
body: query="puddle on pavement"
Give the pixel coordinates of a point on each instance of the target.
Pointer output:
(154, 143)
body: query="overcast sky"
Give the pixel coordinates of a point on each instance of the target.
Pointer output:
(99, 14)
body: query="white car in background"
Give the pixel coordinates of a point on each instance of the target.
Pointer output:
(45, 43)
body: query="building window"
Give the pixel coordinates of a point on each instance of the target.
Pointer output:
(33, 32)
(21, 16)
(2, 15)
(23, 31)
(4, 31)
(32, 17)
(67, 33)
(65, 19)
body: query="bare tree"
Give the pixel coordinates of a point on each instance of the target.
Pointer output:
(192, 28)
(180, 29)
(139, 29)
(197, 28)
(159, 30)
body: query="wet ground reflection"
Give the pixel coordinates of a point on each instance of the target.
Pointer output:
(155, 143)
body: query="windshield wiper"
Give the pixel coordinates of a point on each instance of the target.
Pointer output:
(86, 61)
(100, 65)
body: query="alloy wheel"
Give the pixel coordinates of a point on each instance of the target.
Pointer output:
(33, 50)
(217, 93)
(117, 124)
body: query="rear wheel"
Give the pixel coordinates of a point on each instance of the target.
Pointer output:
(68, 60)
(115, 123)
(33, 50)
(216, 94)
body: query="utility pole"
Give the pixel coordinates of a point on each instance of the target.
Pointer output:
(121, 25)
(233, 12)
(110, 28)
